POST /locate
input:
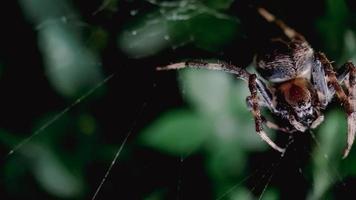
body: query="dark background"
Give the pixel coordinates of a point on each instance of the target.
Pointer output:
(85, 139)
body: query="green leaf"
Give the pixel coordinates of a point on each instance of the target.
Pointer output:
(227, 161)
(198, 23)
(333, 25)
(71, 68)
(349, 52)
(327, 155)
(241, 193)
(218, 4)
(204, 28)
(53, 175)
(178, 132)
(224, 163)
(40, 11)
(145, 36)
(222, 100)
(177, 25)
(270, 194)
(157, 194)
(208, 91)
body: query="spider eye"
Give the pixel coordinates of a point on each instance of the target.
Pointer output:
(304, 111)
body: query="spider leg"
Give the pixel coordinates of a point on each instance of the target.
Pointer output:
(332, 80)
(342, 74)
(348, 101)
(239, 72)
(265, 121)
(350, 82)
(276, 127)
(296, 124)
(257, 114)
(232, 69)
(326, 92)
(320, 83)
(317, 122)
(351, 120)
(288, 31)
(254, 86)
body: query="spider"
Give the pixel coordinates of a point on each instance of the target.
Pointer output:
(296, 84)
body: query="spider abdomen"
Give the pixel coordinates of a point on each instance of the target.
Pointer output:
(283, 61)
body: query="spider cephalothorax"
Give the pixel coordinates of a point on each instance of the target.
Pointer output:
(298, 84)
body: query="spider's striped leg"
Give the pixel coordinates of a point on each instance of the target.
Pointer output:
(276, 127)
(350, 83)
(265, 121)
(332, 80)
(232, 69)
(257, 114)
(324, 93)
(348, 101)
(288, 31)
(254, 86)
(343, 72)
(342, 75)
(220, 66)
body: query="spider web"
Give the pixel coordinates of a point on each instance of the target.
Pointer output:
(257, 181)
(260, 179)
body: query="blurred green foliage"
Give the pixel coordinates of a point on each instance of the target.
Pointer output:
(71, 67)
(176, 25)
(215, 122)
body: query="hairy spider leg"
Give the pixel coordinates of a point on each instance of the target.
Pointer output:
(351, 119)
(288, 31)
(275, 126)
(342, 74)
(320, 84)
(267, 122)
(257, 113)
(254, 86)
(297, 125)
(348, 101)
(241, 73)
(348, 77)
(232, 69)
